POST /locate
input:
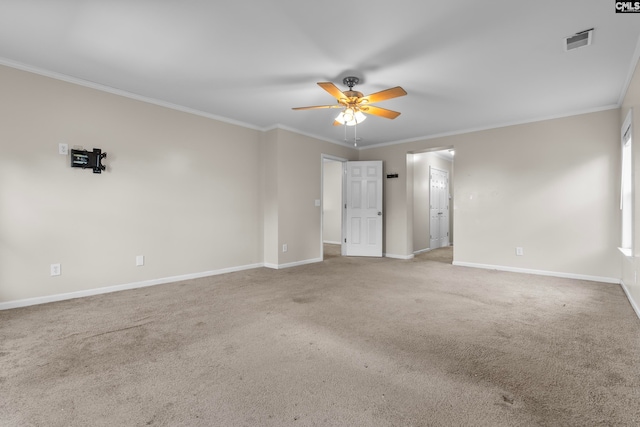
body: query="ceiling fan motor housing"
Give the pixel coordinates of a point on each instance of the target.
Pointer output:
(350, 81)
(353, 94)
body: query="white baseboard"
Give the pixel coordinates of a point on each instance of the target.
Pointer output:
(105, 290)
(293, 264)
(421, 251)
(331, 242)
(539, 272)
(633, 303)
(394, 256)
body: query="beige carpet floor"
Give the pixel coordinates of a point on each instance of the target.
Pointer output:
(345, 342)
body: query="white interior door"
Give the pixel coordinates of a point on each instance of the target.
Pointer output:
(363, 226)
(438, 208)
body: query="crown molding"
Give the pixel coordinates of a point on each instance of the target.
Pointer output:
(494, 126)
(120, 92)
(310, 135)
(630, 73)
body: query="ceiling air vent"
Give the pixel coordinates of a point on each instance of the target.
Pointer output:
(583, 38)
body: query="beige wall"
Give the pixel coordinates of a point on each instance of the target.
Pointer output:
(180, 189)
(332, 202)
(195, 195)
(299, 186)
(550, 187)
(631, 265)
(191, 194)
(422, 162)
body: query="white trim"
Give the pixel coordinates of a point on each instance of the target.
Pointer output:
(394, 256)
(492, 127)
(325, 158)
(92, 85)
(310, 135)
(422, 251)
(630, 298)
(331, 242)
(627, 189)
(120, 92)
(105, 290)
(439, 154)
(108, 89)
(539, 272)
(626, 252)
(627, 127)
(333, 158)
(632, 70)
(293, 264)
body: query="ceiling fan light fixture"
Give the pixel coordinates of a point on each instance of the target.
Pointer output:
(348, 114)
(358, 118)
(350, 118)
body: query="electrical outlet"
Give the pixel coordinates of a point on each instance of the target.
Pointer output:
(285, 248)
(519, 251)
(55, 270)
(139, 260)
(63, 149)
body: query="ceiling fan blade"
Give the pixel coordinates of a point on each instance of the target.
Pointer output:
(315, 107)
(377, 111)
(337, 123)
(394, 92)
(333, 90)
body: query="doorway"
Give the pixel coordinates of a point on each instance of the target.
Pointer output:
(351, 208)
(422, 165)
(438, 208)
(332, 200)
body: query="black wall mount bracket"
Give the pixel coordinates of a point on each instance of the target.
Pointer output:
(88, 159)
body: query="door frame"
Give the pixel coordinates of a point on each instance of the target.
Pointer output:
(344, 161)
(412, 183)
(447, 204)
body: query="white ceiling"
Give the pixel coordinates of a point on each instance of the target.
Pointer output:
(465, 64)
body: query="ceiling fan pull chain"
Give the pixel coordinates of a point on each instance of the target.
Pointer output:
(355, 135)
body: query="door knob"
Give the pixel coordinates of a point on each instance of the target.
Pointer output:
(379, 213)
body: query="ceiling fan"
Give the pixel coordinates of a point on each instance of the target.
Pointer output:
(354, 103)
